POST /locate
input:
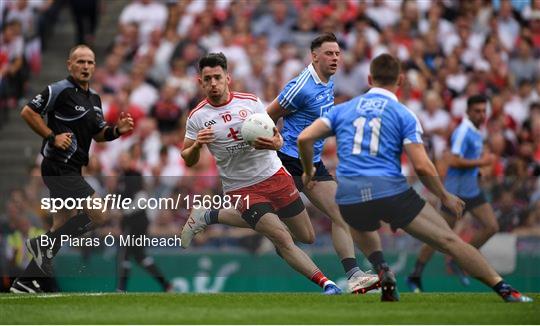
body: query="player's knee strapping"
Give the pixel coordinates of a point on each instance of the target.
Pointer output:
(255, 212)
(291, 210)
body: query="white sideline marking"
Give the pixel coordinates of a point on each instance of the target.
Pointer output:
(51, 295)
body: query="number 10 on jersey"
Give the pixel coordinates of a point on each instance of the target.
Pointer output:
(373, 127)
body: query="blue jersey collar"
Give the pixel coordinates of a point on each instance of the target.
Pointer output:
(316, 78)
(383, 92)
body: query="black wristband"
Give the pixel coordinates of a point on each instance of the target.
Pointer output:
(50, 138)
(110, 133)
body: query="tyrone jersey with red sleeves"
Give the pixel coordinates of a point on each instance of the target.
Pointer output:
(239, 164)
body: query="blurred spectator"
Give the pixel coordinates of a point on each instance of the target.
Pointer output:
(276, 25)
(508, 214)
(529, 225)
(436, 122)
(85, 14)
(352, 77)
(383, 13)
(507, 25)
(186, 84)
(238, 62)
(22, 229)
(168, 171)
(147, 14)
(166, 111)
(142, 92)
(523, 66)
(121, 104)
(12, 72)
(110, 76)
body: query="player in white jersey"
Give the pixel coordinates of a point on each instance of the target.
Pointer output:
(266, 189)
(239, 164)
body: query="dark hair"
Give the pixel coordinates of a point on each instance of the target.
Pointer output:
(323, 38)
(385, 69)
(213, 60)
(476, 99)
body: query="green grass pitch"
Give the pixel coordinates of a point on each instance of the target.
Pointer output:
(269, 308)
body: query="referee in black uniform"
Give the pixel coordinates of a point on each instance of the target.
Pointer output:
(74, 118)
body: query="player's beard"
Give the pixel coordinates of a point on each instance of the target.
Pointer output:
(218, 98)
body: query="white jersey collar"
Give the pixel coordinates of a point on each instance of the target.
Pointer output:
(470, 124)
(315, 76)
(384, 92)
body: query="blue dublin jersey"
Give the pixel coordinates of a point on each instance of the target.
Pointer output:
(305, 98)
(467, 142)
(370, 132)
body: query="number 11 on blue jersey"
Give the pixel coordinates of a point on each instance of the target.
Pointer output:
(373, 127)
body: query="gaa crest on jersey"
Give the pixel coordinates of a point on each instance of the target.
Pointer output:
(243, 114)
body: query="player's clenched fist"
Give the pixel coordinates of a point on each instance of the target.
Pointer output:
(63, 141)
(454, 204)
(205, 136)
(307, 178)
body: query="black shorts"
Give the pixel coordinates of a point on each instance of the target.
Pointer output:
(294, 166)
(470, 203)
(64, 180)
(398, 211)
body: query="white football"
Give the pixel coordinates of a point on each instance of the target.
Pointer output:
(257, 125)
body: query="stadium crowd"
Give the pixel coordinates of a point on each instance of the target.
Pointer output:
(26, 29)
(450, 50)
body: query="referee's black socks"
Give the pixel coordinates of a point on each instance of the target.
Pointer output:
(74, 227)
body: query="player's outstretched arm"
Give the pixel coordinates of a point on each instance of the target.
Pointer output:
(428, 175)
(318, 129)
(458, 162)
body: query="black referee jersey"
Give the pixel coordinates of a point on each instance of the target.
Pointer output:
(69, 108)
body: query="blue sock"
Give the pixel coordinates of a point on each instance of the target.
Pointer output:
(211, 216)
(502, 287)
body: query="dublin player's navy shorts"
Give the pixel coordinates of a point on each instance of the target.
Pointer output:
(398, 210)
(294, 166)
(64, 180)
